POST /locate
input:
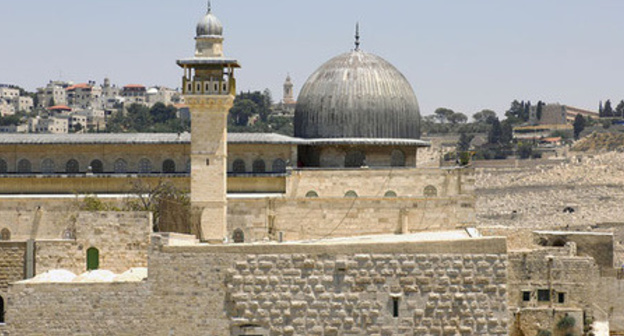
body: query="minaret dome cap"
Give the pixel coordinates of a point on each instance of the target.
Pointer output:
(209, 25)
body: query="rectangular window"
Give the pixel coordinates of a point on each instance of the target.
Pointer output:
(395, 307)
(543, 295)
(561, 297)
(526, 296)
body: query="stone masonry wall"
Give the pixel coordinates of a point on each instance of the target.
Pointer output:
(122, 239)
(313, 218)
(450, 287)
(353, 294)
(78, 309)
(12, 256)
(405, 182)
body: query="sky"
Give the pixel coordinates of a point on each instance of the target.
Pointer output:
(458, 54)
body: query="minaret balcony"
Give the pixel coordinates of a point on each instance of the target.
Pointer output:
(209, 87)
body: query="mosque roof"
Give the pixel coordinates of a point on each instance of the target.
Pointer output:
(185, 138)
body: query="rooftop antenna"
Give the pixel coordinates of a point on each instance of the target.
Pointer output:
(357, 36)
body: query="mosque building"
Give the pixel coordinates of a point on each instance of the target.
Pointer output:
(334, 231)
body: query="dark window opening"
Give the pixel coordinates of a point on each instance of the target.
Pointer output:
(168, 166)
(238, 236)
(543, 295)
(5, 234)
(395, 307)
(526, 296)
(355, 159)
(561, 297)
(1, 310)
(259, 166)
(239, 166)
(72, 167)
(97, 167)
(207, 162)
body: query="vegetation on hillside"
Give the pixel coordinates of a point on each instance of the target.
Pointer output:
(142, 119)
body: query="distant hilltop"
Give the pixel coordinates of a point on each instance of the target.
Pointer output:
(600, 142)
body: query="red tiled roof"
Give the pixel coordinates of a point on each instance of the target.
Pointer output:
(60, 107)
(134, 86)
(79, 86)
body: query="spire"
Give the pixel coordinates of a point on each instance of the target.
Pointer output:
(357, 36)
(209, 8)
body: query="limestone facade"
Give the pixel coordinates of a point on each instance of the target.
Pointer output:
(367, 288)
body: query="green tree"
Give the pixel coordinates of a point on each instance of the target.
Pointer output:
(538, 112)
(457, 118)
(506, 132)
(607, 110)
(619, 109)
(161, 113)
(579, 125)
(495, 133)
(525, 150)
(484, 117)
(463, 144)
(139, 118)
(242, 110)
(443, 114)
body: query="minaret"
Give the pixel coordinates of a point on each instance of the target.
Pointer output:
(209, 87)
(288, 91)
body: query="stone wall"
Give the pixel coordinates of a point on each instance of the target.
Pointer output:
(448, 287)
(122, 239)
(12, 267)
(314, 218)
(79, 309)
(405, 182)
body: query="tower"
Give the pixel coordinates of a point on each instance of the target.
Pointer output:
(209, 87)
(288, 91)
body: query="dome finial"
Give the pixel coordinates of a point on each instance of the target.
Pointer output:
(209, 7)
(357, 36)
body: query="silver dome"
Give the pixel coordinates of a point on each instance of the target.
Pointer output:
(357, 95)
(209, 25)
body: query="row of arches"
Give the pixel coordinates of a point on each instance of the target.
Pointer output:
(428, 191)
(259, 166)
(72, 166)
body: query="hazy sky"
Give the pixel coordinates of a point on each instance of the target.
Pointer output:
(464, 55)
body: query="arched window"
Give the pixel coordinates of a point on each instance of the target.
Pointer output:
(47, 166)
(24, 166)
(351, 193)
(311, 193)
(97, 167)
(355, 159)
(121, 166)
(430, 191)
(397, 158)
(188, 166)
(390, 193)
(259, 166)
(279, 166)
(93, 259)
(1, 309)
(145, 166)
(168, 166)
(72, 167)
(238, 166)
(238, 236)
(3, 166)
(5, 234)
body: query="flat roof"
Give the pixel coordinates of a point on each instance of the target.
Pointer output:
(185, 138)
